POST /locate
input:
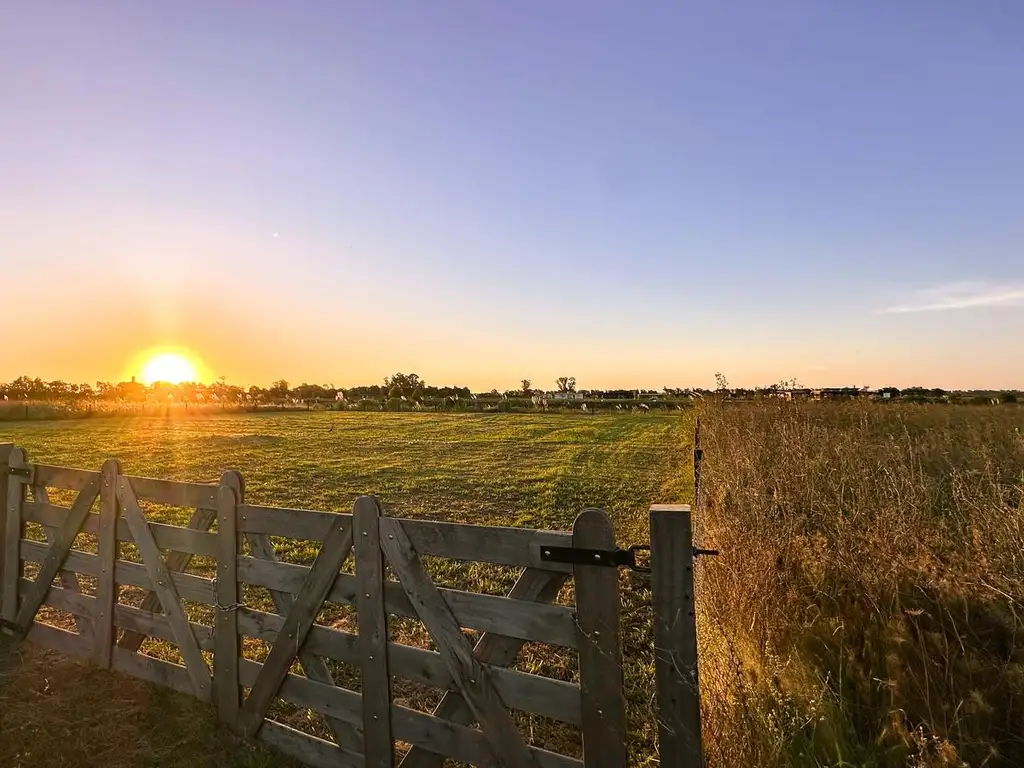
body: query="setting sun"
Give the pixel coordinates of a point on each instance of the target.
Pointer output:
(170, 367)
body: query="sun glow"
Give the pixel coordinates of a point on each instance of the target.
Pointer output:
(171, 367)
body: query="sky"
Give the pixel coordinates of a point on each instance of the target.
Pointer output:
(634, 194)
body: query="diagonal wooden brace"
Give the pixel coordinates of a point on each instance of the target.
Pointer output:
(335, 548)
(59, 549)
(177, 562)
(534, 585)
(195, 664)
(470, 676)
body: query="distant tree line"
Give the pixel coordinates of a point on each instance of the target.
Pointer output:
(411, 388)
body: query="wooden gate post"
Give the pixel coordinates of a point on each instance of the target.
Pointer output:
(5, 454)
(675, 636)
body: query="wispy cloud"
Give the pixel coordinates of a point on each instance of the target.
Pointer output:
(960, 296)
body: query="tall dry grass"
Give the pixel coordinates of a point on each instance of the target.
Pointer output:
(866, 607)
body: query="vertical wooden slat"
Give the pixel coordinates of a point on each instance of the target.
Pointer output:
(226, 643)
(373, 634)
(107, 547)
(603, 714)
(675, 637)
(6, 449)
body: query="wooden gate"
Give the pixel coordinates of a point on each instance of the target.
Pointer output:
(230, 595)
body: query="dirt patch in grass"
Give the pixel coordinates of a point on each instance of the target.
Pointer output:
(58, 712)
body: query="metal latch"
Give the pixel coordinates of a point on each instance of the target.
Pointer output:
(20, 471)
(611, 558)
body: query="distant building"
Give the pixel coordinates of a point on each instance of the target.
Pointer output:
(132, 390)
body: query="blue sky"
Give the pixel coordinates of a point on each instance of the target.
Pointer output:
(635, 194)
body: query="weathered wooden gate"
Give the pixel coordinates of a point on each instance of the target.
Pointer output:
(224, 595)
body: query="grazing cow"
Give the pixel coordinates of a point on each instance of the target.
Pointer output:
(644, 408)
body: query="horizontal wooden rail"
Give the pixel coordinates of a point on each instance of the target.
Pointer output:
(307, 749)
(171, 537)
(62, 477)
(174, 493)
(478, 543)
(194, 588)
(459, 742)
(125, 616)
(538, 622)
(538, 695)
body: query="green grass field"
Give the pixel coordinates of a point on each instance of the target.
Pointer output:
(534, 471)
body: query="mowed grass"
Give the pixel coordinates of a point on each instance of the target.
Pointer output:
(535, 471)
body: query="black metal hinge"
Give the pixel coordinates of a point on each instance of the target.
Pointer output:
(610, 558)
(20, 471)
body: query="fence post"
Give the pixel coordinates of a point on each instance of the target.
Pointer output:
(675, 636)
(108, 550)
(226, 644)
(603, 715)
(5, 454)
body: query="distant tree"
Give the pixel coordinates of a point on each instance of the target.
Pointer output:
(566, 383)
(279, 390)
(525, 385)
(1008, 397)
(721, 383)
(407, 383)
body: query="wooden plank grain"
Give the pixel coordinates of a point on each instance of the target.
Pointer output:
(538, 695)
(57, 554)
(107, 551)
(227, 648)
(60, 640)
(163, 584)
(156, 625)
(152, 670)
(597, 611)
(335, 548)
(373, 634)
(309, 750)
(552, 624)
(174, 493)
(675, 637)
(500, 651)
(184, 542)
(457, 742)
(65, 478)
(479, 543)
(194, 588)
(471, 678)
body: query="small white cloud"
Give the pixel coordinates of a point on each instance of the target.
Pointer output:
(960, 296)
